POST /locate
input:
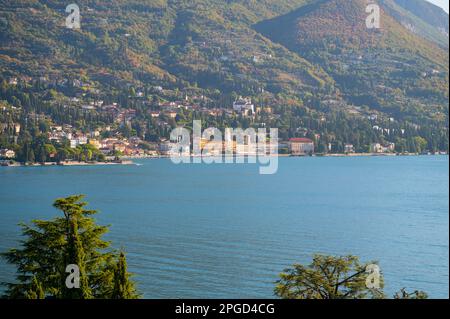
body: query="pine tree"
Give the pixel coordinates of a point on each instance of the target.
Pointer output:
(52, 245)
(328, 277)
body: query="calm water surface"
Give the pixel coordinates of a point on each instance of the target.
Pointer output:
(224, 231)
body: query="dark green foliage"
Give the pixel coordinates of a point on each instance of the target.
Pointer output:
(432, 20)
(35, 291)
(208, 48)
(329, 277)
(50, 246)
(404, 294)
(74, 253)
(123, 287)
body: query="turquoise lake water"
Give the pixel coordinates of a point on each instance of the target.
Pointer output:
(224, 231)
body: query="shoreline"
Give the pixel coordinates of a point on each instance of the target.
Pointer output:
(290, 155)
(70, 163)
(128, 160)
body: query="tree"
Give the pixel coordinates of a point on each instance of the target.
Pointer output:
(62, 154)
(31, 157)
(403, 294)
(35, 291)
(50, 150)
(421, 144)
(327, 277)
(123, 287)
(41, 156)
(51, 246)
(74, 256)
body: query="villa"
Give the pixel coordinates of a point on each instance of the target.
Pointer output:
(301, 146)
(379, 148)
(244, 106)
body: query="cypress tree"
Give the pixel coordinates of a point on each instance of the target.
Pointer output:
(75, 256)
(123, 287)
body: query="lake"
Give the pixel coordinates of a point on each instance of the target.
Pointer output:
(224, 231)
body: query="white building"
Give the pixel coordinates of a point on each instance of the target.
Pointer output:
(8, 154)
(379, 148)
(301, 146)
(79, 140)
(88, 107)
(244, 106)
(349, 148)
(168, 148)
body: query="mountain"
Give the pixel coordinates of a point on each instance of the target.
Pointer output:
(342, 24)
(305, 61)
(390, 69)
(422, 18)
(428, 12)
(207, 44)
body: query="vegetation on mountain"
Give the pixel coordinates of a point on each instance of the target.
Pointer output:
(427, 11)
(389, 69)
(422, 18)
(311, 67)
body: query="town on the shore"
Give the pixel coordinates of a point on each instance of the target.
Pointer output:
(125, 132)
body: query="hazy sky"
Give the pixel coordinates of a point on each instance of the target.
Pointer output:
(442, 3)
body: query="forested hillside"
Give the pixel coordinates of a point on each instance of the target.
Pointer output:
(428, 14)
(389, 69)
(184, 43)
(311, 67)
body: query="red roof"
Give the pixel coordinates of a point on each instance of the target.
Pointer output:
(301, 140)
